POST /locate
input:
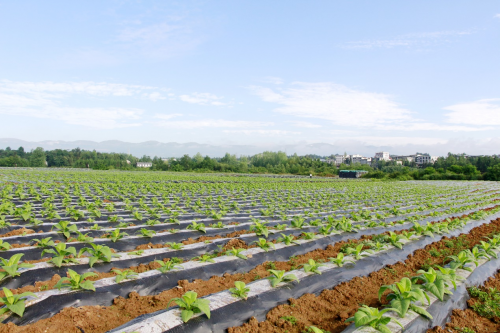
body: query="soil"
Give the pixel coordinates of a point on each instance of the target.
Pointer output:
(18, 232)
(327, 311)
(468, 318)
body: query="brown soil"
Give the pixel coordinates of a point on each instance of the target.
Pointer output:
(468, 318)
(328, 311)
(190, 240)
(18, 232)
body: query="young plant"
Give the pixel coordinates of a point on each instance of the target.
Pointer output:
(488, 249)
(136, 253)
(298, 222)
(279, 276)
(115, 235)
(240, 290)
(372, 317)
(190, 304)
(287, 239)
(65, 228)
(95, 227)
(260, 229)
(84, 237)
(358, 251)
(340, 260)
(308, 235)
(264, 244)
(174, 246)
(236, 253)
(146, 233)
(166, 266)
(126, 274)
(76, 281)
(114, 218)
(434, 283)
(98, 252)
(394, 239)
(403, 296)
(312, 267)
(4, 246)
(10, 267)
(14, 303)
(197, 226)
(62, 255)
(137, 215)
(461, 259)
(205, 258)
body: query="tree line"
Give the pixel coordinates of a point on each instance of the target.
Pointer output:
(451, 167)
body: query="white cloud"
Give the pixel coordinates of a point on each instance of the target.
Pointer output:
(484, 112)
(348, 108)
(262, 132)
(212, 123)
(336, 103)
(53, 89)
(497, 15)
(202, 99)
(415, 39)
(304, 124)
(99, 118)
(51, 100)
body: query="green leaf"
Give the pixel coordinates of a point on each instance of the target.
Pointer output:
(92, 261)
(420, 311)
(88, 285)
(57, 261)
(204, 306)
(186, 315)
(17, 308)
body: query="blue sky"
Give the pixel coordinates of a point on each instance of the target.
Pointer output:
(392, 74)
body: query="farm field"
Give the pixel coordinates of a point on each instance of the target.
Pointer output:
(105, 251)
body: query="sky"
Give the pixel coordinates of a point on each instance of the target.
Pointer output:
(421, 75)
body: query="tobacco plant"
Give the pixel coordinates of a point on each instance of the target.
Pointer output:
(126, 274)
(403, 296)
(367, 316)
(279, 276)
(14, 303)
(10, 267)
(240, 290)
(98, 252)
(76, 281)
(190, 304)
(62, 254)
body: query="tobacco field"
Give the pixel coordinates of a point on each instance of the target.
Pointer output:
(107, 251)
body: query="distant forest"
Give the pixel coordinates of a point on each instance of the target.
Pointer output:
(452, 167)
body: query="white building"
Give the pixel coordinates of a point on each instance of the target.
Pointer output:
(360, 159)
(339, 159)
(383, 156)
(425, 159)
(144, 164)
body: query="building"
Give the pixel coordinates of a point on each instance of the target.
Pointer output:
(361, 159)
(425, 159)
(351, 173)
(144, 164)
(339, 159)
(382, 156)
(403, 158)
